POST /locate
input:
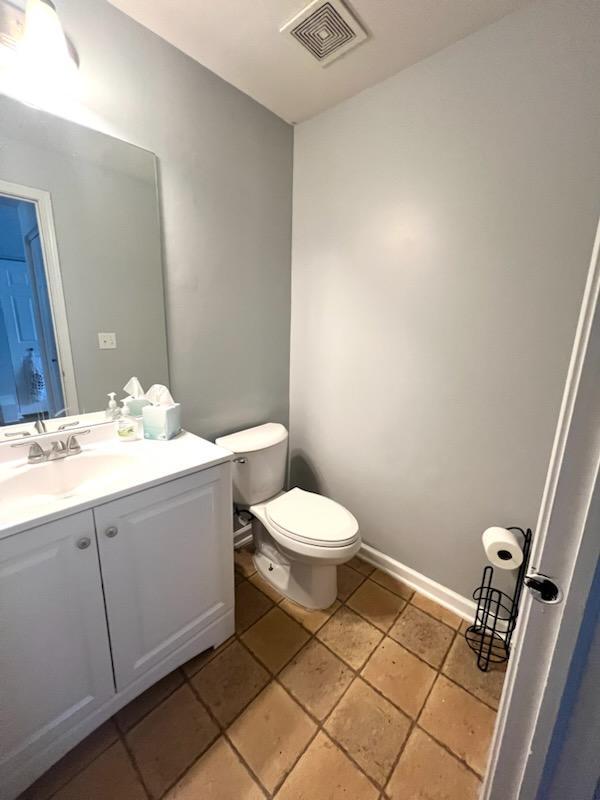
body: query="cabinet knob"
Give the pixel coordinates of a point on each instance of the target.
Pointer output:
(111, 532)
(84, 542)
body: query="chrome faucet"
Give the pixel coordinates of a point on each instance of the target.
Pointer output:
(59, 449)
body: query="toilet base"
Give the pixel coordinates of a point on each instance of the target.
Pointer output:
(311, 585)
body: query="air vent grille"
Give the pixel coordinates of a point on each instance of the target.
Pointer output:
(326, 29)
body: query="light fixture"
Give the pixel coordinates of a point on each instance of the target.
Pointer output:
(38, 65)
(47, 60)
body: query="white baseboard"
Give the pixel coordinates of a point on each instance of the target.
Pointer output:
(451, 600)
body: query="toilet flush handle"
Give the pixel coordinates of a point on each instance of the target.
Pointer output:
(240, 460)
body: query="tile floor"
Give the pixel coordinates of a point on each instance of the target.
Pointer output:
(377, 697)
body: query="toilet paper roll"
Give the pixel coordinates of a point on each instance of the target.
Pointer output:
(502, 547)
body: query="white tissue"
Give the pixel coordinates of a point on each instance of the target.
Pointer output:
(159, 395)
(133, 388)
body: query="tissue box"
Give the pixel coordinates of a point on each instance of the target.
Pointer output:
(161, 422)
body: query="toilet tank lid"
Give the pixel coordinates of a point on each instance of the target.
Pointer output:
(257, 438)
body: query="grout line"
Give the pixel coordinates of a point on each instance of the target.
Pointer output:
(78, 771)
(134, 763)
(441, 744)
(357, 673)
(223, 729)
(150, 710)
(320, 725)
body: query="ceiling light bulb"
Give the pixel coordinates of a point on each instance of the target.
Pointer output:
(46, 60)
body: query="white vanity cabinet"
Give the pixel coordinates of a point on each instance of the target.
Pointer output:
(166, 572)
(55, 666)
(97, 606)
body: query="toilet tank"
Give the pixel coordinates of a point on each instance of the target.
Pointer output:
(259, 463)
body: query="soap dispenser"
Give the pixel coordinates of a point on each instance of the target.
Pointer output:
(113, 411)
(127, 426)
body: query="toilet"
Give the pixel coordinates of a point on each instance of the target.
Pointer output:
(300, 537)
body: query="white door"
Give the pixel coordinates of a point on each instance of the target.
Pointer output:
(158, 550)
(566, 549)
(17, 307)
(55, 666)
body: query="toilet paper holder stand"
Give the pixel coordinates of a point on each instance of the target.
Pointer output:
(491, 633)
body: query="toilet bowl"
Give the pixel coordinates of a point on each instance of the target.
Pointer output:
(300, 537)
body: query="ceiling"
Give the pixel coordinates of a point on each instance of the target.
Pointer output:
(239, 40)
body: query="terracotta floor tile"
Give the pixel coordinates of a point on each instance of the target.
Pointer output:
(458, 720)
(350, 637)
(271, 733)
(110, 777)
(250, 605)
(422, 634)
(74, 761)
(376, 604)
(428, 772)
(316, 678)
(461, 666)
(275, 638)
(192, 666)
(228, 683)
(348, 580)
(244, 561)
(265, 587)
(325, 773)
(400, 676)
(170, 738)
(218, 775)
(310, 619)
(361, 566)
(393, 584)
(133, 712)
(436, 610)
(370, 729)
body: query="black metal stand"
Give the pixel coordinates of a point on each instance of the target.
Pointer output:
(496, 616)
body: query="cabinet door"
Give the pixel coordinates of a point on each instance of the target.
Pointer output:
(55, 666)
(167, 567)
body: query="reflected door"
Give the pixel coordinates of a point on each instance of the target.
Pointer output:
(30, 378)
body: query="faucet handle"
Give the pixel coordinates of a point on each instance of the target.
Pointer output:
(68, 425)
(72, 446)
(36, 453)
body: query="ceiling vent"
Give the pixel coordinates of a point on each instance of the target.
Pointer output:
(327, 29)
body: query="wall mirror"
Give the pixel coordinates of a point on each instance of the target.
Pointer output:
(82, 299)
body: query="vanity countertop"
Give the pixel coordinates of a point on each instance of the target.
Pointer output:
(32, 494)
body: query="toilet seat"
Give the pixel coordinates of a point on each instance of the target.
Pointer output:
(312, 519)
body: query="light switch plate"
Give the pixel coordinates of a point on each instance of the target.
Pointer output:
(107, 341)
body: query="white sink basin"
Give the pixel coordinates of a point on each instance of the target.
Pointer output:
(104, 470)
(41, 484)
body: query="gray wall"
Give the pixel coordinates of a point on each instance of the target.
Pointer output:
(225, 171)
(106, 218)
(443, 226)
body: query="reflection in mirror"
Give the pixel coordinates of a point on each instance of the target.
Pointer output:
(30, 379)
(82, 302)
